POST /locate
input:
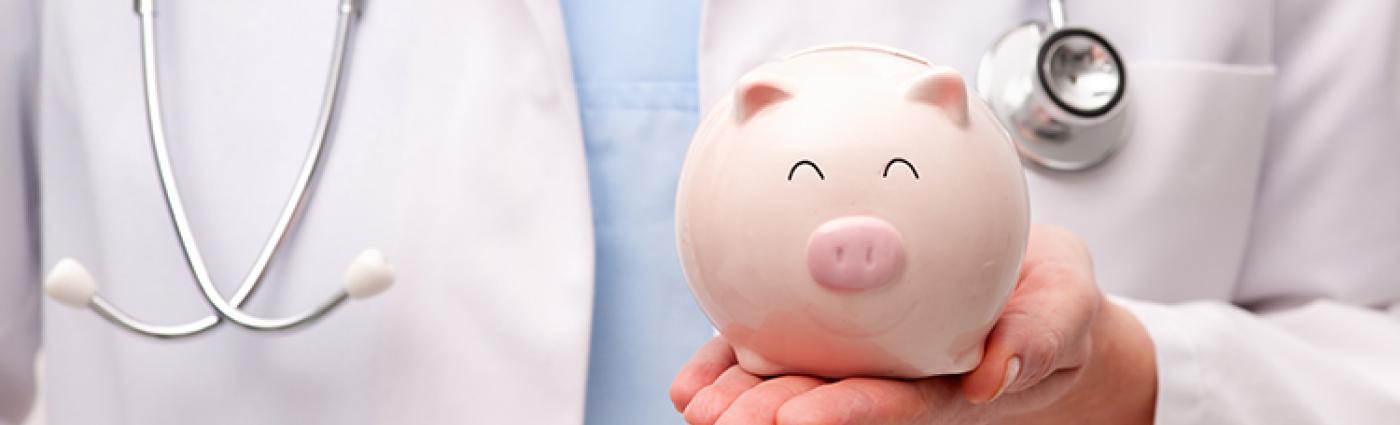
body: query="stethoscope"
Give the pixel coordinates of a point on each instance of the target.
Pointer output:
(1060, 90)
(369, 274)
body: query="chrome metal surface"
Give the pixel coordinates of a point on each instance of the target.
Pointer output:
(1081, 118)
(1081, 71)
(1057, 14)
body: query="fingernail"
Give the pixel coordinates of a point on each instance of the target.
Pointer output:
(1013, 368)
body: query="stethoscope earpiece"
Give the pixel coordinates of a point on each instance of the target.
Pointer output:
(368, 275)
(70, 283)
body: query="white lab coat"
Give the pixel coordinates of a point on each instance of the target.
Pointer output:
(1252, 222)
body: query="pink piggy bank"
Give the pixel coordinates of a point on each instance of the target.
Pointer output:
(850, 210)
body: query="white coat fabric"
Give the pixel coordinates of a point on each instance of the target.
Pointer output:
(1252, 221)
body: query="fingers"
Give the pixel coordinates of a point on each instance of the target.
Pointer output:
(991, 378)
(759, 405)
(1047, 242)
(700, 371)
(707, 405)
(1041, 332)
(1046, 323)
(869, 401)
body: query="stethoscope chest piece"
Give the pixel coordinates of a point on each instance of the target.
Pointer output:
(1060, 92)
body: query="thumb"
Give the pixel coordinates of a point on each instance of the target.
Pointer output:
(1044, 328)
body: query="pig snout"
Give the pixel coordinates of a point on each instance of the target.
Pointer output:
(855, 253)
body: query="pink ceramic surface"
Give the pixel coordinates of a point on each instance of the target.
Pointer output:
(851, 210)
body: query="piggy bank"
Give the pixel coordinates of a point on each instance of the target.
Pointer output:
(851, 210)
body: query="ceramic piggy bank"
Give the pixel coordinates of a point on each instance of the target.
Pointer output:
(851, 210)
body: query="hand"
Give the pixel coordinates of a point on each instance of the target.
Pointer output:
(1059, 353)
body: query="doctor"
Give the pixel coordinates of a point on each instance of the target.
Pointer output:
(1249, 224)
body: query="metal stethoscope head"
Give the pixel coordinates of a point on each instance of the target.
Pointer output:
(369, 273)
(1060, 90)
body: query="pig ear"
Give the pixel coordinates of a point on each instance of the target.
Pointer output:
(755, 94)
(944, 89)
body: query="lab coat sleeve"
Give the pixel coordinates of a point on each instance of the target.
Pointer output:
(1323, 363)
(19, 287)
(1312, 334)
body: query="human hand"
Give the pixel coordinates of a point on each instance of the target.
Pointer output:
(1059, 353)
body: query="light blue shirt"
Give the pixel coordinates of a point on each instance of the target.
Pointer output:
(634, 63)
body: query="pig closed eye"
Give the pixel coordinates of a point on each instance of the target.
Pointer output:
(793, 170)
(906, 163)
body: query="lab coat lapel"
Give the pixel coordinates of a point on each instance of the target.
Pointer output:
(508, 154)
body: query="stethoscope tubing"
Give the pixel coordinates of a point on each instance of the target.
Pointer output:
(291, 211)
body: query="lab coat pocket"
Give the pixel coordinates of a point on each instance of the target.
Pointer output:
(1167, 217)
